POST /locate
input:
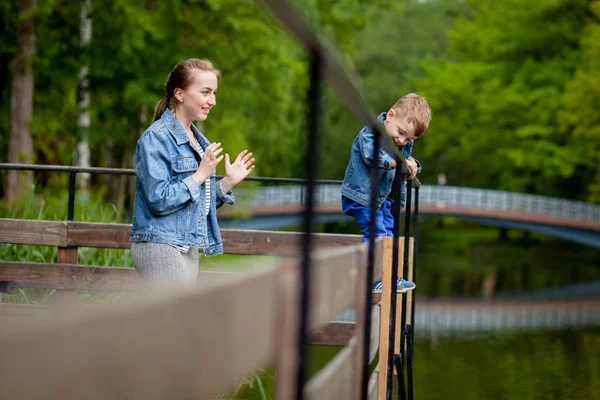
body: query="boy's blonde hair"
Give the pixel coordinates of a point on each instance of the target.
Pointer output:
(416, 109)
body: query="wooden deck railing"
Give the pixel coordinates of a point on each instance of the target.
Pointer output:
(197, 342)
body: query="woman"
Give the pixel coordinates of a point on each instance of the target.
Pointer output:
(176, 191)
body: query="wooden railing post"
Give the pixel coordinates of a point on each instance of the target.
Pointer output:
(66, 255)
(384, 324)
(385, 308)
(361, 312)
(409, 295)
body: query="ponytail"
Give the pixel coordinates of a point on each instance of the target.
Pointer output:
(161, 107)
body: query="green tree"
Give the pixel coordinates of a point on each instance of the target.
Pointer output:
(580, 101)
(389, 55)
(496, 100)
(20, 146)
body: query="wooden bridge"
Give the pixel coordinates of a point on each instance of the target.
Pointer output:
(198, 342)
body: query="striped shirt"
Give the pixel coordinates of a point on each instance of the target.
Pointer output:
(200, 151)
(198, 148)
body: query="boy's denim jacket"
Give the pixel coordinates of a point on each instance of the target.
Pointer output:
(357, 180)
(169, 205)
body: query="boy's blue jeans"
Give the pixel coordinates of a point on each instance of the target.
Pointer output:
(384, 220)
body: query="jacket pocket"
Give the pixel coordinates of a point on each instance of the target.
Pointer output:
(185, 163)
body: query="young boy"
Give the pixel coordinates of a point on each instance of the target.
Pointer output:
(407, 120)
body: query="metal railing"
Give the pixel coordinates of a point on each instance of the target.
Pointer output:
(299, 192)
(448, 196)
(292, 192)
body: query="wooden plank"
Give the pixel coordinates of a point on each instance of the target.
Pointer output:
(378, 267)
(236, 241)
(334, 275)
(409, 294)
(69, 276)
(336, 379)
(333, 334)
(194, 343)
(362, 289)
(399, 300)
(375, 322)
(385, 317)
(339, 333)
(83, 277)
(288, 323)
(51, 276)
(14, 318)
(24, 231)
(85, 234)
(27, 310)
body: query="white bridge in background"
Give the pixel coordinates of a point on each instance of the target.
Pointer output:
(276, 207)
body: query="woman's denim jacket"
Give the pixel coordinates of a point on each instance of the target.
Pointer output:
(169, 205)
(357, 180)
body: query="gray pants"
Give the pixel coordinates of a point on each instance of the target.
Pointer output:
(161, 265)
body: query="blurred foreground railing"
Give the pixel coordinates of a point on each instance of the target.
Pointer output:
(217, 333)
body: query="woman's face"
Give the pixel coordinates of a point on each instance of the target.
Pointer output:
(200, 96)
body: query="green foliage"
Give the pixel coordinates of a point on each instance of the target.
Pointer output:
(398, 39)
(513, 85)
(579, 115)
(134, 46)
(499, 99)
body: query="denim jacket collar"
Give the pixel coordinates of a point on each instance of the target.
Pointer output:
(177, 131)
(174, 127)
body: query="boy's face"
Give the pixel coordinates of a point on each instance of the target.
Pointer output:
(399, 129)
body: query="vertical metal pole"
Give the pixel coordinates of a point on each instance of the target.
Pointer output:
(405, 260)
(311, 158)
(416, 236)
(409, 361)
(397, 189)
(364, 388)
(398, 361)
(72, 182)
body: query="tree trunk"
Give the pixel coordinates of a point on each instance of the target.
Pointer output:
(20, 146)
(489, 282)
(82, 157)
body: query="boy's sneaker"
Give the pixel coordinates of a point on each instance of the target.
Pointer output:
(401, 286)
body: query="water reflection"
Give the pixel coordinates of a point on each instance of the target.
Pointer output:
(540, 365)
